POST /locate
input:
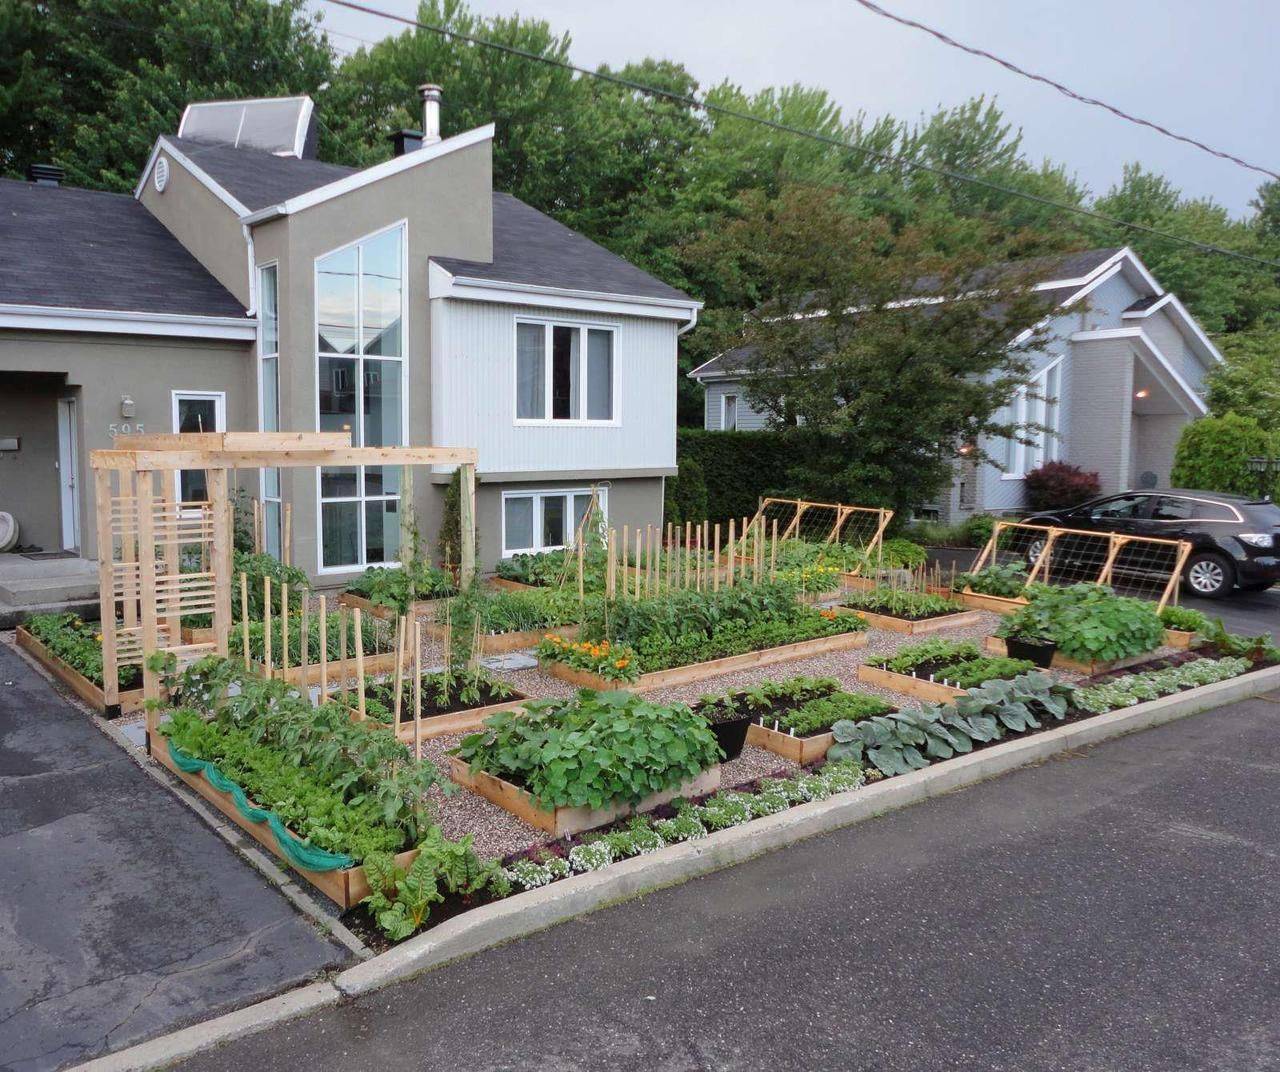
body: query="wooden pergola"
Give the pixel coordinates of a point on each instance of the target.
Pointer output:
(143, 531)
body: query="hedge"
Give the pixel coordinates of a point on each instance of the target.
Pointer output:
(1213, 454)
(724, 475)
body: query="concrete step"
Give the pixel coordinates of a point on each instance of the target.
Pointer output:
(13, 616)
(26, 582)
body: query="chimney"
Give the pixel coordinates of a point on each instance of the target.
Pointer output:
(45, 174)
(406, 141)
(430, 97)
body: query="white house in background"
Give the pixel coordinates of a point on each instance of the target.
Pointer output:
(1122, 373)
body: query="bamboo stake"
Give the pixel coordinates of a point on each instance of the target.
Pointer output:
(266, 624)
(286, 543)
(639, 559)
(342, 651)
(671, 560)
(732, 555)
(324, 650)
(417, 689)
(688, 552)
(257, 527)
(580, 554)
(402, 626)
(284, 631)
(244, 616)
(611, 567)
(715, 559)
(773, 552)
(625, 549)
(699, 578)
(359, 638)
(304, 625)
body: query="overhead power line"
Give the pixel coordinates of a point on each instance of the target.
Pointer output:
(1066, 91)
(786, 128)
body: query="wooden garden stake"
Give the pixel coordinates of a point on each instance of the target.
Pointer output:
(286, 543)
(402, 624)
(359, 639)
(639, 559)
(715, 558)
(342, 651)
(417, 689)
(773, 552)
(611, 575)
(266, 624)
(244, 616)
(304, 624)
(580, 553)
(324, 650)
(732, 554)
(688, 551)
(284, 631)
(257, 527)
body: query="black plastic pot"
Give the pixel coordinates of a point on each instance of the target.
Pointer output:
(731, 735)
(1039, 652)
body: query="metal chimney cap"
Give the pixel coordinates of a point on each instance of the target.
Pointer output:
(430, 91)
(45, 174)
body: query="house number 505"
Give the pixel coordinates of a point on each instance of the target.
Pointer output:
(125, 429)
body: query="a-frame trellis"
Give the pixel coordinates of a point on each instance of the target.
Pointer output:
(143, 531)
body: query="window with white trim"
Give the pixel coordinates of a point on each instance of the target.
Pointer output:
(564, 372)
(729, 413)
(359, 349)
(1036, 404)
(546, 520)
(197, 411)
(269, 400)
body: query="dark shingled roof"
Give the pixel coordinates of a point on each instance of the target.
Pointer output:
(1142, 304)
(255, 178)
(87, 249)
(530, 247)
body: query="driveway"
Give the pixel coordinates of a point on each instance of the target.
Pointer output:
(122, 915)
(1113, 909)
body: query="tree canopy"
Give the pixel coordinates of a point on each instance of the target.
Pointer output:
(88, 84)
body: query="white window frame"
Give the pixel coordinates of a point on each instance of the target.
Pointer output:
(724, 410)
(219, 419)
(538, 494)
(1019, 456)
(264, 354)
(360, 497)
(582, 326)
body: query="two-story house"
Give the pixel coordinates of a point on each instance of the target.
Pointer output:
(1122, 373)
(246, 285)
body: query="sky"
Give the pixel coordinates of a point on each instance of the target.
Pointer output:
(1205, 70)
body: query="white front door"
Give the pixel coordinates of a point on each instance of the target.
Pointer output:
(68, 469)
(197, 411)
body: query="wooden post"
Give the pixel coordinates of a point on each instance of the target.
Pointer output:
(257, 527)
(286, 540)
(1175, 578)
(773, 552)
(147, 589)
(304, 626)
(417, 689)
(701, 543)
(671, 559)
(344, 666)
(408, 552)
(266, 625)
(732, 554)
(467, 517)
(402, 625)
(715, 559)
(284, 630)
(359, 638)
(611, 568)
(639, 560)
(580, 554)
(324, 650)
(107, 585)
(216, 481)
(688, 552)
(244, 616)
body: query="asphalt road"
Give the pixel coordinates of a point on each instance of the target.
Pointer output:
(1111, 910)
(122, 915)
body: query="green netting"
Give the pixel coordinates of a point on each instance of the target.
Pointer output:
(296, 851)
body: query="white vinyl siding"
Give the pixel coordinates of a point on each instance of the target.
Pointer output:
(1020, 458)
(269, 400)
(746, 419)
(476, 381)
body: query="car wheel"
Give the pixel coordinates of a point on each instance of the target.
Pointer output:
(1034, 550)
(1210, 575)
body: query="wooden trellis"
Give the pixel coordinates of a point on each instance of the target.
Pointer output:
(143, 532)
(818, 522)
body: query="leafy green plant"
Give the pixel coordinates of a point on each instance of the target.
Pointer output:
(1088, 622)
(901, 603)
(1134, 688)
(401, 586)
(1006, 579)
(612, 662)
(596, 749)
(79, 645)
(818, 716)
(1184, 618)
(931, 650)
(968, 673)
(455, 688)
(374, 634)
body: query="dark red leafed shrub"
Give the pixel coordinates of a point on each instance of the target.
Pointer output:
(1059, 484)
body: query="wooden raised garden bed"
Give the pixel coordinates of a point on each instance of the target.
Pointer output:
(90, 693)
(197, 634)
(919, 687)
(997, 604)
(563, 821)
(501, 643)
(997, 646)
(683, 675)
(802, 750)
(346, 887)
(907, 625)
(295, 675)
(418, 609)
(1178, 638)
(505, 585)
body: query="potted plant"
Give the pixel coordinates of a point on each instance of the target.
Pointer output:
(729, 721)
(1029, 635)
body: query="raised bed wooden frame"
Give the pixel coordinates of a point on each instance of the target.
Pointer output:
(419, 608)
(92, 694)
(919, 687)
(683, 675)
(559, 821)
(996, 646)
(502, 643)
(906, 625)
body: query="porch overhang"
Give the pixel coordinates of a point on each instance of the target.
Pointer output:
(1155, 364)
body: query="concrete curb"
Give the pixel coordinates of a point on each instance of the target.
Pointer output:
(526, 913)
(178, 1045)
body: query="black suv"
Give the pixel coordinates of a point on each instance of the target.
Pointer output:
(1235, 540)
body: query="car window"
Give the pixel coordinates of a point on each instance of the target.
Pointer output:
(1168, 508)
(1209, 511)
(1120, 507)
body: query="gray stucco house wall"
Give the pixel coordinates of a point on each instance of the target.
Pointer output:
(1122, 372)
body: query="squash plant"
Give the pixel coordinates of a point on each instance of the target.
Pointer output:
(1088, 622)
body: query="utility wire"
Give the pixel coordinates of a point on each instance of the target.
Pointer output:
(1066, 91)
(786, 128)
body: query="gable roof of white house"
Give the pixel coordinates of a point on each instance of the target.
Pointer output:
(1069, 278)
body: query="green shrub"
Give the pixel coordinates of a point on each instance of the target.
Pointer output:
(820, 715)
(596, 749)
(400, 586)
(1213, 454)
(1005, 579)
(685, 495)
(1184, 619)
(1088, 622)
